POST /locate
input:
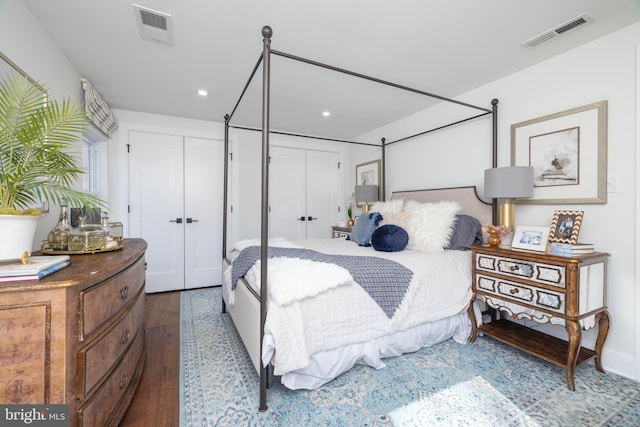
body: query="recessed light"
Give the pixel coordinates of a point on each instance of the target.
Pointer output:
(326, 113)
(202, 92)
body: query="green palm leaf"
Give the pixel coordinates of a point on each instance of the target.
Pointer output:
(36, 138)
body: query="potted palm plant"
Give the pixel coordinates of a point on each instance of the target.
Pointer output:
(36, 164)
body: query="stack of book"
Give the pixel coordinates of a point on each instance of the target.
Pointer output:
(569, 250)
(35, 267)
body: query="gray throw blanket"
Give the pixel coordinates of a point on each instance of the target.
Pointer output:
(384, 280)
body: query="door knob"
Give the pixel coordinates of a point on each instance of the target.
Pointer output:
(177, 220)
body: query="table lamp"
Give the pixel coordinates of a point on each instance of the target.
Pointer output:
(366, 194)
(507, 184)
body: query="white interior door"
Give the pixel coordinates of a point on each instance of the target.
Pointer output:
(203, 185)
(175, 199)
(322, 193)
(287, 193)
(303, 187)
(156, 203)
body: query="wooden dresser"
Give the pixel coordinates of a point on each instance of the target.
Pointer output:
(544, 288)
(77, 336)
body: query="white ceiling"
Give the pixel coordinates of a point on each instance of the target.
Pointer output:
(439, 46)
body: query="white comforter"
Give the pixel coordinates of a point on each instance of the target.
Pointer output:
(302, 321)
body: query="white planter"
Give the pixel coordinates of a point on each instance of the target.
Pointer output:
(17, 233)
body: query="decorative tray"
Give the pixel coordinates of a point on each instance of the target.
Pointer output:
(45, 249)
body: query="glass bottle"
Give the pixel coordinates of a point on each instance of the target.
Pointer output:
(58, 238)
(104, 224)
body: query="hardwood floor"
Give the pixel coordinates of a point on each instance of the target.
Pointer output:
(157, 400)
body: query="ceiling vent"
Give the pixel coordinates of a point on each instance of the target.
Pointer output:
(154, 26)
(557, 31)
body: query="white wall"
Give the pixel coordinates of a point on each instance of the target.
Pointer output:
(26, 44)
(605, 69)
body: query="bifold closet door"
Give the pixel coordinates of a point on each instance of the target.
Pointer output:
(175, 203)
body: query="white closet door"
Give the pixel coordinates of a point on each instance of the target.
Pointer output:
(322, 191)
(287, 188)
(175, 199)
(156, 182)
(203, 185)
(302, 184)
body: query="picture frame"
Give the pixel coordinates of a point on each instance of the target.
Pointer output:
(565, 226)
(568, 152)
(369, 174)
(531, 238)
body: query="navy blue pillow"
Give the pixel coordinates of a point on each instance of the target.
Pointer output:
(467, 231)
(389, 238)
(364, 228)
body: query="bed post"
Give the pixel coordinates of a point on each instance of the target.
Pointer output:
(383, 178)
(267, 32)
(225, 194)
(494, 163)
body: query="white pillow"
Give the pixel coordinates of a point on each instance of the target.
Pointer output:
(430, 224)
(388, 206)
(401, 219)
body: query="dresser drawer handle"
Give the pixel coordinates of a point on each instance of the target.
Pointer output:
(125, 337)
(514, 291)
(124, 292)
(514, 267)
(123, 381)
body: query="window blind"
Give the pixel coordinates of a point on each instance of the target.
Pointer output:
(98, 110)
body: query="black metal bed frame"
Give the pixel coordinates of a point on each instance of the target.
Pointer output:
(265, 60)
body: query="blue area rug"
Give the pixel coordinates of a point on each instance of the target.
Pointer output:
(482, 384)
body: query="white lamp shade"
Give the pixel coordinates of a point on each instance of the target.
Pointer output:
(366, 193)
(508, 182)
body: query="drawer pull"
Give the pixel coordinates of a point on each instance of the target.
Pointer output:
(514, 291)
(125, 337)
(514, 267)
(123, 381)
(124, 292)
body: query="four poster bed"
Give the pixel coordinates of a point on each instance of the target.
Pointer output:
(309, 310)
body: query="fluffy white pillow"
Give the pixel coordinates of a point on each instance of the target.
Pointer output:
(430, 224)
(387, 206)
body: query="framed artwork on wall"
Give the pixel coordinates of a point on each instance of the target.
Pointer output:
(565, 226)
(568, 153)
(369, 174)
(531, 238)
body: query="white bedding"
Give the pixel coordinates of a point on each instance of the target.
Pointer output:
(339, 313)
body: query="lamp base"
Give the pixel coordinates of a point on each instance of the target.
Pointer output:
(506, 214)
(366, 207)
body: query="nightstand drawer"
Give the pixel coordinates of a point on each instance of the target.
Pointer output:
(519, 293)
(547, 274)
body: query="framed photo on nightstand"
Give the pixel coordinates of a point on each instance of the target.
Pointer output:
(530, 238)
(565, 226)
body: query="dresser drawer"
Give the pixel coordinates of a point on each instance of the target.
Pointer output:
(547, 274)
(519, 293)
(103, 403)
(101, 302)
(98, 358)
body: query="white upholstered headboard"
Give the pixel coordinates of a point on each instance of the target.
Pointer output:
(466, 196)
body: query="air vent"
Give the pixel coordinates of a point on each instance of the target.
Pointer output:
(557, 31)
(154, 26)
